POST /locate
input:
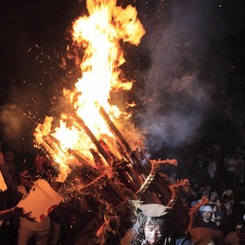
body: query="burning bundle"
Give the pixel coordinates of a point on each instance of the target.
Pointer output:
(95, 160)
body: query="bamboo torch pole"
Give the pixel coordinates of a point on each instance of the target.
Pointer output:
(93, 138)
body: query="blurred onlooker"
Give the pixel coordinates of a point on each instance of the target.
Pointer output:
(231, 162)
(239, 170)
(228, 198)
(212, 169)
(220, 209)
(9, 197)
(237, 236)
(219, 222)
(206, 220)
(9, 161)
(205, 194)
(202, 229)
(213, 197)
(194, 195)
(219, 216)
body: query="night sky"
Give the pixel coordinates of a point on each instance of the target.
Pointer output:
(189, 69)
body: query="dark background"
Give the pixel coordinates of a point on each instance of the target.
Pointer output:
(35, 66)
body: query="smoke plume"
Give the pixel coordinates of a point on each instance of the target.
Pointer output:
(178, 88)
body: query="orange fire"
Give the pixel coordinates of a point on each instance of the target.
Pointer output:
(99, 34)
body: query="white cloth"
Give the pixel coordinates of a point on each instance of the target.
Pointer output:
(32, 225)
(3, 186)
(1, 157)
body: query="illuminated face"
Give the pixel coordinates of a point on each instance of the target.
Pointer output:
(207, 215)
(24, 180)
(153, 234)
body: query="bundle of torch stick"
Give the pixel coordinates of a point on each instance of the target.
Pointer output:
(127, 178)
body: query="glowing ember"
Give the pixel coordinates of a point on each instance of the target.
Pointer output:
(83, 128)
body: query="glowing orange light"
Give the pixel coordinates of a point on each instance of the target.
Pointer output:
(99, 34)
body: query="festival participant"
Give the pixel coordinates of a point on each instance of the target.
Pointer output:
(213, 197)
(219, 216)
(206, 221)
(9, 197)
(203, 234)
(229, 200)
(221, 211)
(29, 228)
(154, 226)
(155, 223)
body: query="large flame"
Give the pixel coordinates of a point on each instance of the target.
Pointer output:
(99, 34)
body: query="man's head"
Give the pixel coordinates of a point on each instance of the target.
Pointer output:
(155, 220)
(205, 194)
(213, 196)
(24, 178)
(218, 221)
(207, 213)
(154, 229)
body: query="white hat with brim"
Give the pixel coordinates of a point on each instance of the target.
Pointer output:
(207, 209)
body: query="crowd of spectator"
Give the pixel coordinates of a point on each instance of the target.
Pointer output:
(217, 175)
